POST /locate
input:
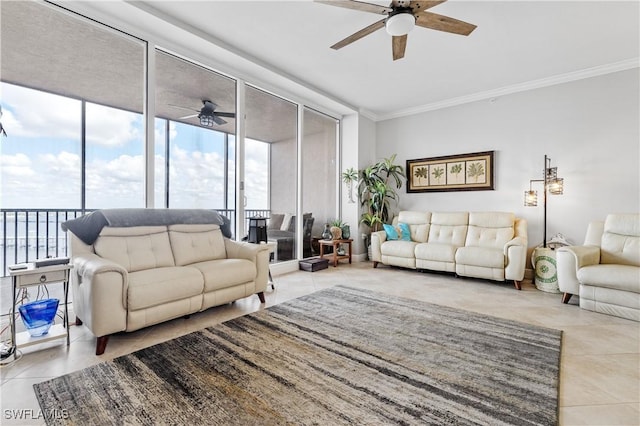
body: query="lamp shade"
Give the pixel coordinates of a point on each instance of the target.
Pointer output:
(556, 186)
(530, 198)
(400, 23)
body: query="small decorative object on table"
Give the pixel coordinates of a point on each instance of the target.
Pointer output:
(346, 231)
(326, 234)
(38, 316)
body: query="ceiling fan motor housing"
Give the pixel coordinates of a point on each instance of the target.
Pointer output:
(400, 21)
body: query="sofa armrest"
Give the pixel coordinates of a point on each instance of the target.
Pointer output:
(568, 260)
(515, 253)
(256, 253)
(584, 255)
(99, 289)
(377, 238)
(243, 250)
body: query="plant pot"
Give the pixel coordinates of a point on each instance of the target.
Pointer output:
(336, 232)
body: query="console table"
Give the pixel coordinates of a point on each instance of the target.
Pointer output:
(335, 244)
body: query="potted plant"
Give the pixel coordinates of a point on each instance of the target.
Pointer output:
(377, 189)
(336, 229)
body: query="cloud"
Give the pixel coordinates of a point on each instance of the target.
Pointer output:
(32, 113)
(112, 127)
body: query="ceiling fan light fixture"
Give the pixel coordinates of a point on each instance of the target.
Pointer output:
(400, 24)
(206, 120)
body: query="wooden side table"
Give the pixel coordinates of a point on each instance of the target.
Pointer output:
(335, 244)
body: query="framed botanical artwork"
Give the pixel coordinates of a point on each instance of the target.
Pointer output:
(465, 172)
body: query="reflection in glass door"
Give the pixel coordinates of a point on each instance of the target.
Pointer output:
(319, 176)
(270, 167)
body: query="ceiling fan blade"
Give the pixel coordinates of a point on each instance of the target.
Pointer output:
(226, 114)
(187, 116)
(181, 107)
(358, 35)
(399, 44)
(419, 6)
(357, 5)
(219, 121)
(443, 23)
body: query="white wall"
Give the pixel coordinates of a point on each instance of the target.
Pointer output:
(589, 128)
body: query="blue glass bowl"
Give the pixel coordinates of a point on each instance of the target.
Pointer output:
(38, 316)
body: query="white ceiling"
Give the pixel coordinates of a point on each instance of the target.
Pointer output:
(517, 45)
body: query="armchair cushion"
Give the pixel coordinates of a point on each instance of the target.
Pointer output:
(620, 277)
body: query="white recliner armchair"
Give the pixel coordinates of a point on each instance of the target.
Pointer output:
(605, 271)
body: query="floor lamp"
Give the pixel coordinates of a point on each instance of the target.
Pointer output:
(552, 184)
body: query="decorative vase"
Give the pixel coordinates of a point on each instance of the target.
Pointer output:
(326, 234)
(38, 316)
(346, 232)
(336, 232)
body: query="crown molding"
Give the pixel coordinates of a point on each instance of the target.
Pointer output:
(515, 88)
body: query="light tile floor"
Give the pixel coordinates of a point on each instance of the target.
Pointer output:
(600, 363)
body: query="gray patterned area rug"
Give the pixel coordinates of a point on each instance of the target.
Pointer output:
(337, 356)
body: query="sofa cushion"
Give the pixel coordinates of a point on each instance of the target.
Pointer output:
(196, 243)
(621, 240)
(399, 248)
(436, 251)
(156, 286)
(480, 256)
(449, 228)
(275, 221)
(619, 277)
(224, 273)
(135, 248)
(490, 229)
(418, 224)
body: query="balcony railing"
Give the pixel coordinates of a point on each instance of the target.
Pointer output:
(30, 234)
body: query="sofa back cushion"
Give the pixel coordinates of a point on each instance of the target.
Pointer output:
(449, 228)
(621, 240)
(135, 248)
(418, 224)
(490, 229)
(196, 243)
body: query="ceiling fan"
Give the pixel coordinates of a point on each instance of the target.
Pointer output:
(401, 17)
(207, 114)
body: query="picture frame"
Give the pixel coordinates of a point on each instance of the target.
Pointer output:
(463, 172)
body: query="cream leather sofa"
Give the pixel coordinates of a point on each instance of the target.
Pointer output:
(605, 271)
(137, 276)
(490, 245)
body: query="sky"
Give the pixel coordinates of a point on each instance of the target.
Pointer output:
(40, 160)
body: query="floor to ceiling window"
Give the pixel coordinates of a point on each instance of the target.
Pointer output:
(195, 110)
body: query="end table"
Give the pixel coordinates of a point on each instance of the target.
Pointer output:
(31, 276)
(335, 244)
